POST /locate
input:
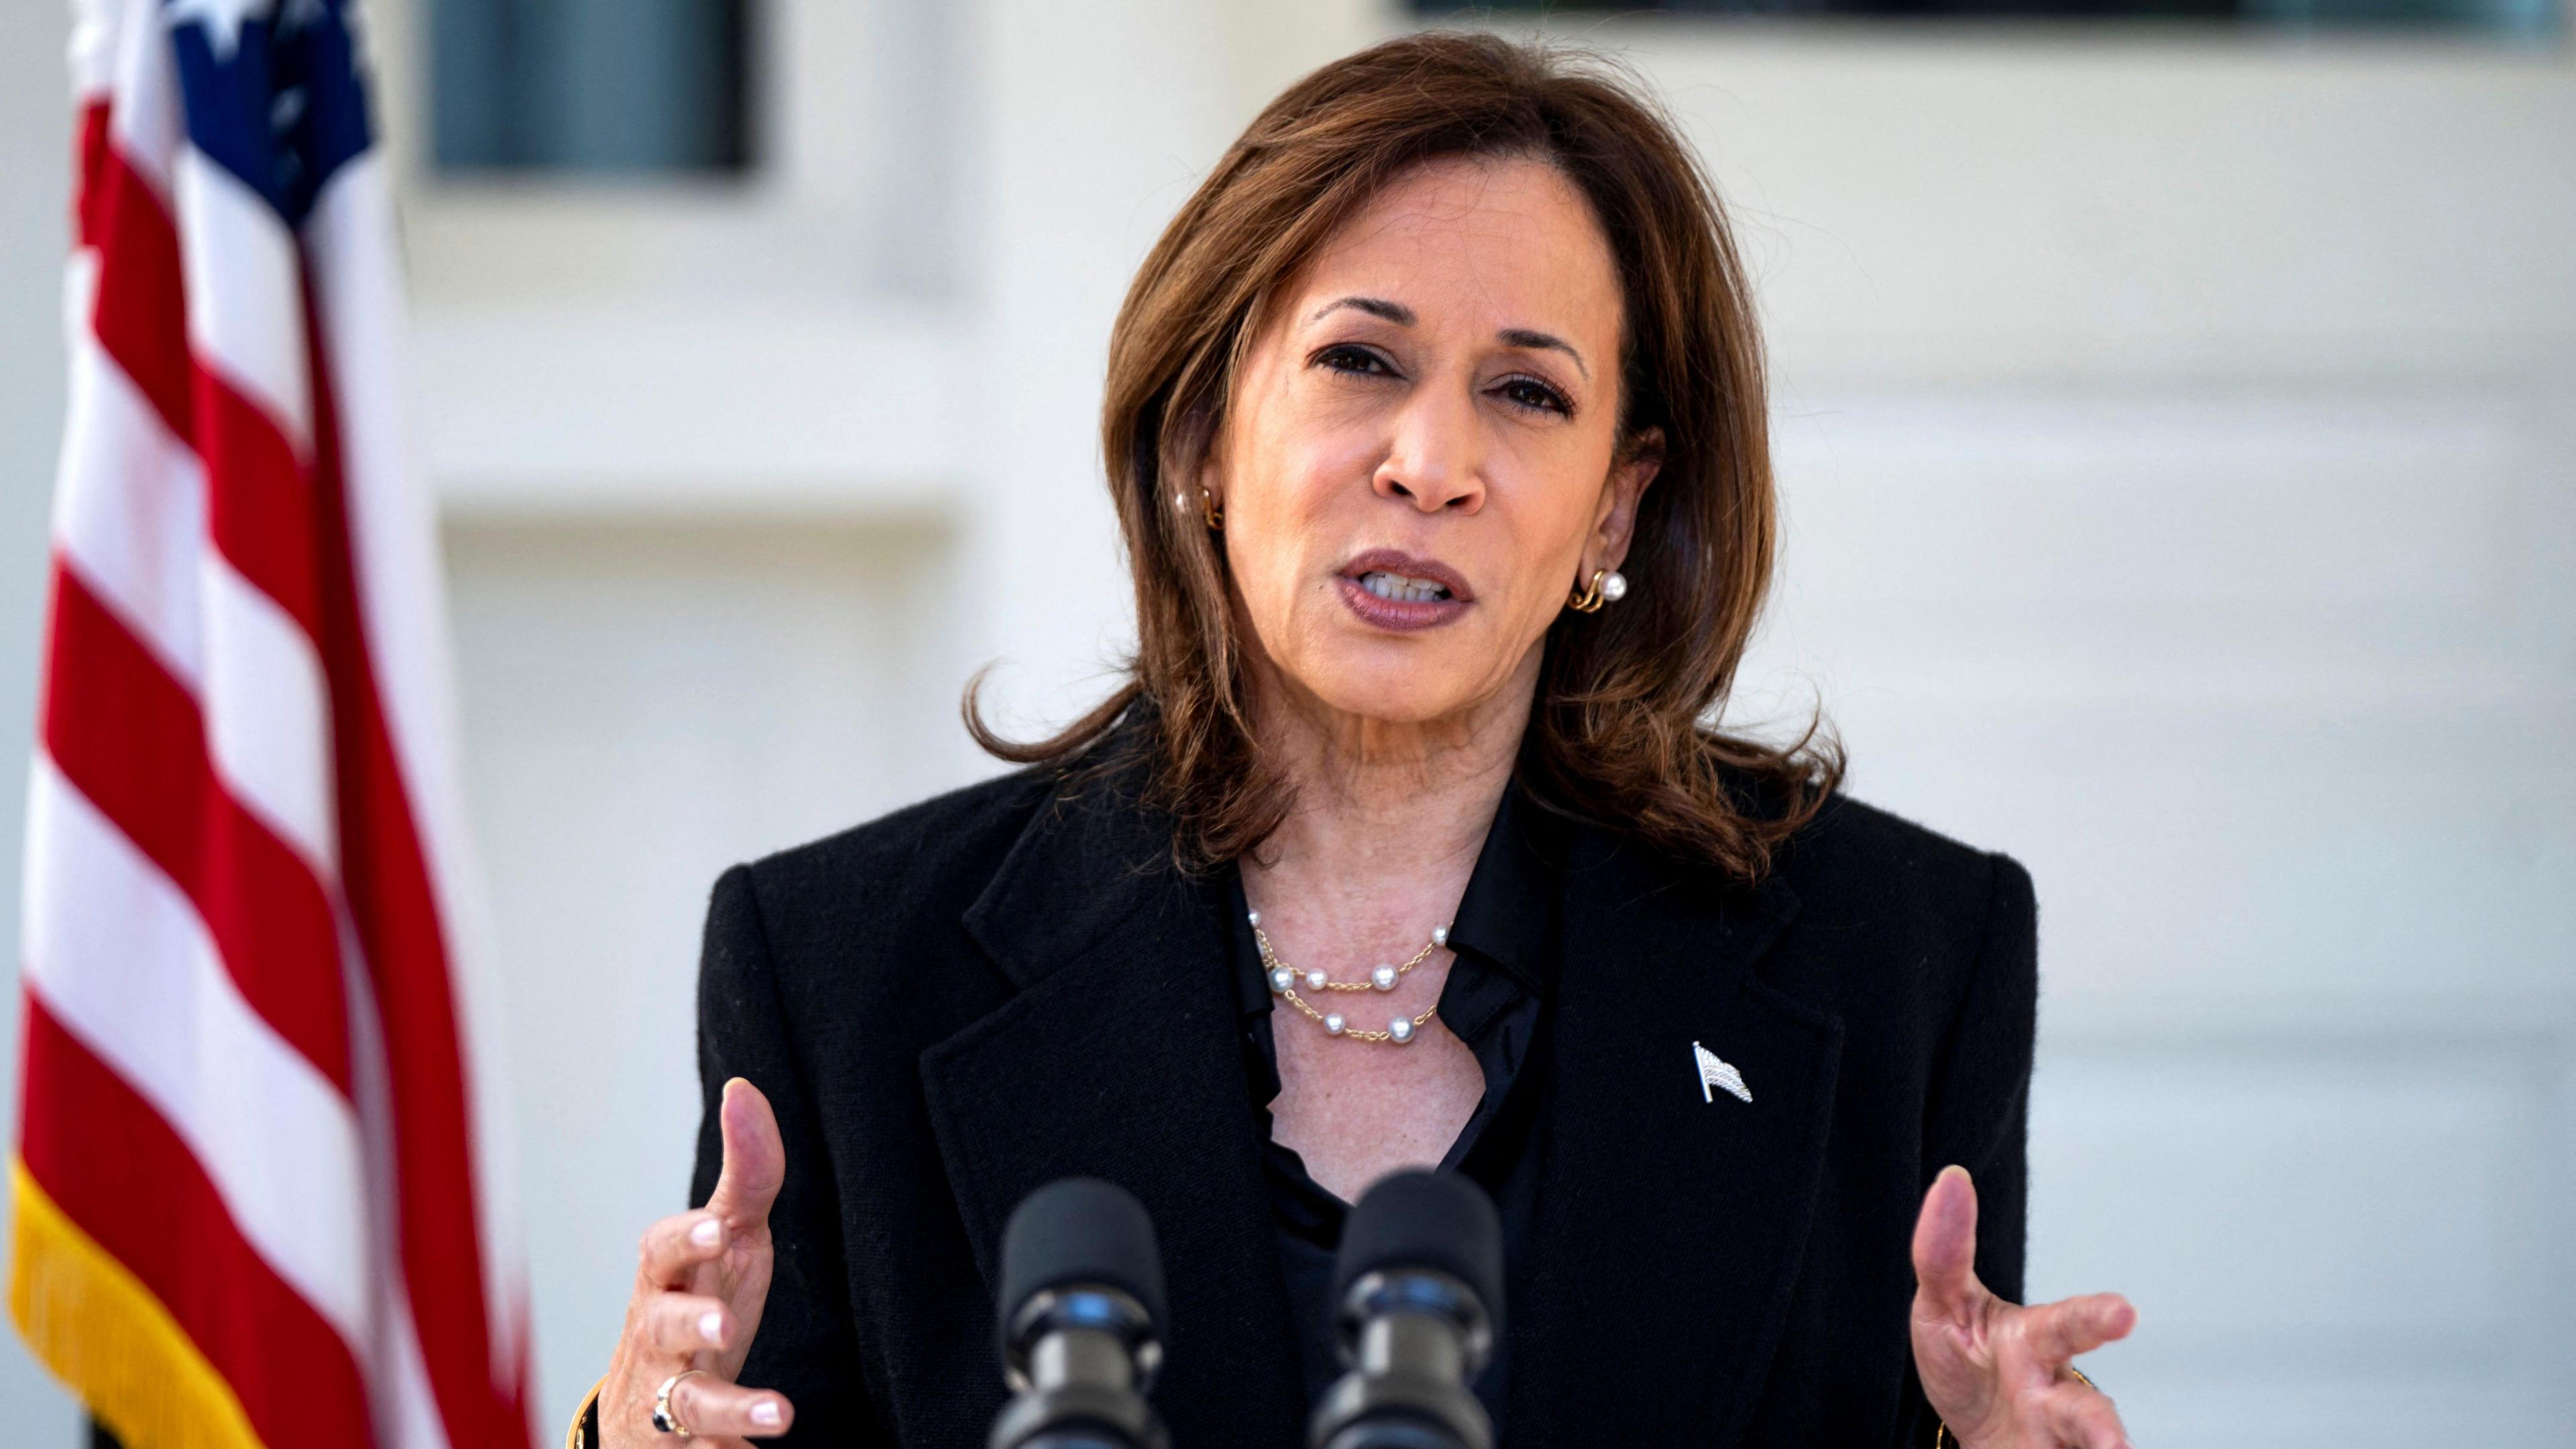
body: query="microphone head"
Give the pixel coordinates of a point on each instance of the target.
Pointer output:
(1079, 1232)
(1417, 1219)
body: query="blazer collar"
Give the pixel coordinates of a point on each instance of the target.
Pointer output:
(1118, 1058)
(1668, 1240)
(1671, 1233)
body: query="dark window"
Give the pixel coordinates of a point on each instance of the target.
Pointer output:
(2503, 17)
(590, 85)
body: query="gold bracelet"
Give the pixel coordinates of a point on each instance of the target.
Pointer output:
(572, 1436)
(1941, 1430)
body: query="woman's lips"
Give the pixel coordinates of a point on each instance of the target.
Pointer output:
(1403, 614)
(1400, 615)
(1426, 570)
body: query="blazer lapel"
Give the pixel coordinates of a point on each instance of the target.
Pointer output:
(1670, 1236)
(1119, 1058)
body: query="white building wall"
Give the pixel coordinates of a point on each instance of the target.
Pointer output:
(2175, 433)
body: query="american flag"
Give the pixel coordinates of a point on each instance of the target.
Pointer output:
(259, 1200)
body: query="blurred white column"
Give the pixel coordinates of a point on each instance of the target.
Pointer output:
(1098, 121)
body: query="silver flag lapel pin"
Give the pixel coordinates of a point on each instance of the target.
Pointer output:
(1715, 1071)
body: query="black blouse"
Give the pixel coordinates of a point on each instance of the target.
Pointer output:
(1506, 942)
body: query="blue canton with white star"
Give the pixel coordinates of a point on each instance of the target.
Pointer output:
(273, 92)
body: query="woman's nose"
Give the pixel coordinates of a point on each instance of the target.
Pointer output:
(1435, 459)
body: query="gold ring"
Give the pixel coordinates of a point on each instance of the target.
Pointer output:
(663, 1419)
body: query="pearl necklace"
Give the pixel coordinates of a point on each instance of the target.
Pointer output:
(1284, 979)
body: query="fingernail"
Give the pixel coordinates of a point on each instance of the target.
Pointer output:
(765, 1414)
(711, 1326)
(707, 1233)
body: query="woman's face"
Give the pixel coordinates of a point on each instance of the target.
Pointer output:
(1417, 463)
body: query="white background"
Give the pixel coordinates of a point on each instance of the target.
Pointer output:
(2178, 434)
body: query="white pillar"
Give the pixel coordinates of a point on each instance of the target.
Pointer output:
(1096, 122)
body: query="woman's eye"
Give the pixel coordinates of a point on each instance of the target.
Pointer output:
(1530, 393)
(1355, 360)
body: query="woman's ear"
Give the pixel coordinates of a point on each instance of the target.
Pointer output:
(1634, 467)
(1211, 469)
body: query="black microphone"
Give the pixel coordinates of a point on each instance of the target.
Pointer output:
(1419, 1284)
(1082, 1288)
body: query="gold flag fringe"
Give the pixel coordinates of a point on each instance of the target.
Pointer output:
(107, 1338)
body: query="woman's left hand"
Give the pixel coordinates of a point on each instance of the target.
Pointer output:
(1996, 1372)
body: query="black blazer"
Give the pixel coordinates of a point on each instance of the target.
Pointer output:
(968, 998)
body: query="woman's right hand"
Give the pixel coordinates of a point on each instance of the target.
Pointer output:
(699, 1287)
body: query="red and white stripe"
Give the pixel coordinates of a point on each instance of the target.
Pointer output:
(253, 949)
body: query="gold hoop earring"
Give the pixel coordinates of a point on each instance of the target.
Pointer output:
(1607, 587)
(1208, 510)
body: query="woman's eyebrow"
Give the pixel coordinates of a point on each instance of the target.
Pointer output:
(1395, 312)
(1525, 337)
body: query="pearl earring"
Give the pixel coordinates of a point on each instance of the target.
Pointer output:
(1608, 586)
(1213, 515)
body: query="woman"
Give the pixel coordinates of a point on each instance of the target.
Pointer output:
(1436, 427)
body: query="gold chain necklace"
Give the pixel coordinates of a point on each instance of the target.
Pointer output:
(1284, 979)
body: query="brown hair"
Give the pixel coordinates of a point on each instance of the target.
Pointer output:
(1616, 733)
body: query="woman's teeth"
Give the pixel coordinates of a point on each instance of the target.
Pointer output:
(1397, 586)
